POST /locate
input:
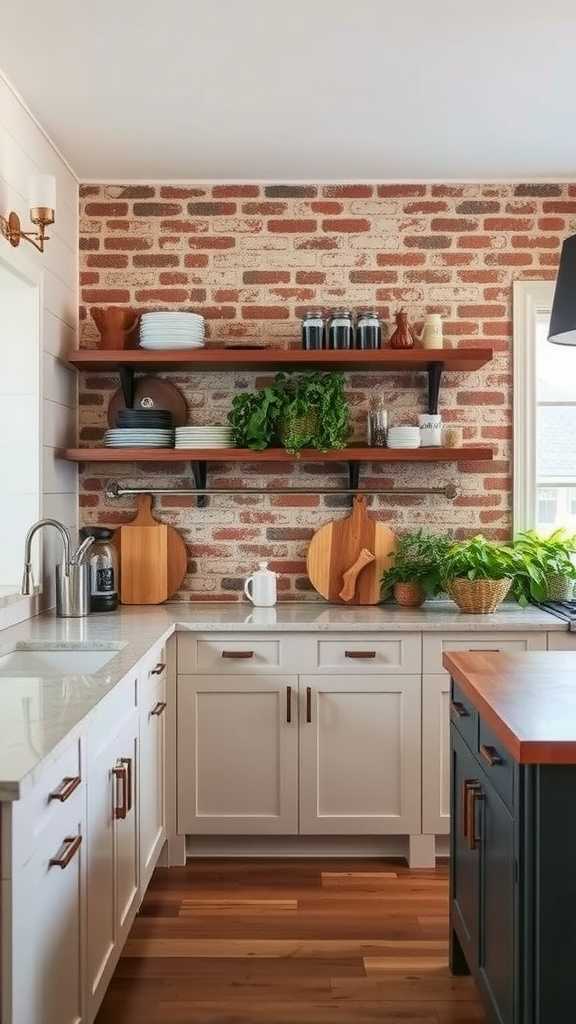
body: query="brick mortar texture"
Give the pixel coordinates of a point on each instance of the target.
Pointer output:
(251, 258)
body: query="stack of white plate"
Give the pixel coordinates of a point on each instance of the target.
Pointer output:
(159, 331)
(139, 438)
(204, 437)
(403, 437)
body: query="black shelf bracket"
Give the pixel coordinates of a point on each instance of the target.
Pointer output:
(353, 475)
(200, 475)
(127, 385)
(434, 381)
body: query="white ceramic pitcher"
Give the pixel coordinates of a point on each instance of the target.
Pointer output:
(432, 335)
(260, 588)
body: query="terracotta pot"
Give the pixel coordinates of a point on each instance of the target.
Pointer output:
(409, 595)
(402, 336)
(117, 326)
(478, 597)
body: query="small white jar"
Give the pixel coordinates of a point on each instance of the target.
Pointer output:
(432, 336)
(260, 588)
(430, 430)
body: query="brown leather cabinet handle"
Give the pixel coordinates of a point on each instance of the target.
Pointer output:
(65, 789)
(159, 708)
(237, 654)
(359, 654)
(158, 669)
(66, 852)
(476, 794)
(120, 775)
(458, 708)
(490, 755)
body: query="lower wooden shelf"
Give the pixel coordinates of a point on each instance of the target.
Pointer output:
(465, 454)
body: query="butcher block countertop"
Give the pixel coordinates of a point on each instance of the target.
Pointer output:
(529, 700)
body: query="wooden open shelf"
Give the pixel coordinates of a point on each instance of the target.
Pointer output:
(465, 454)
(219, 358)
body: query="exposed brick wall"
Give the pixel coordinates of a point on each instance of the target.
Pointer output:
(251, 258)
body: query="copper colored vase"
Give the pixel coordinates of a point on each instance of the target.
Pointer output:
(409, 595)
(402, 337)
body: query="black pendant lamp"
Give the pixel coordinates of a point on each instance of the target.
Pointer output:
(563, 319)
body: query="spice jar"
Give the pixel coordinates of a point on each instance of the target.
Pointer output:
(102, 559)
(377, 423)
(313, 328)
(340, 329)
(368, 330)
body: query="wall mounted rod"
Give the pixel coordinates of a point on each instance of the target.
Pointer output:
(116, 489)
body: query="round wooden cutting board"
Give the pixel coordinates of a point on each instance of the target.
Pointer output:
(347, 557)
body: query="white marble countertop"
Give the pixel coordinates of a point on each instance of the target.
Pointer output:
(38, 713)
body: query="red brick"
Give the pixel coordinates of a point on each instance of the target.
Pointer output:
(560, 206)
(235, 191)
(181, 192)
(226, 295)
(157, 259)
(551, 224)
(106, 295)
(310, 277)
(535, 242)
(294, 226)
(508, 259)
(478, 206)
(498, 483)
(106, 209)
(266, 276)
(219, 312)
(373, 276)
(117, 262)
(89, 277)
(474, 242)
(478, 276)
(195, 259)
(128, 244)
(265, 313)
(173, 277)
(427, 276)
(157, 209)
(208, 209)
(336, 225)
(453, 224)
(393, 191)
(88, 243)
(348, 191)
(184, 227)
(497, 433)
(482, 311)
(162, 295)
(508, 223)
(480, 398)
(425, 206)
(296, 501)
(400, 259)
(290, 191)
(326, 207)
(212, 242)
(427, 241)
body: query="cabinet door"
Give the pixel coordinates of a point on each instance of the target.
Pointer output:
(497, 904)
(436, 754)
(127, 854)
(238, 754)
(360, 754)
(464, 849)
(152, 777)
(48, 925)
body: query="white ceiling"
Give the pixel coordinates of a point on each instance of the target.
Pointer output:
(300, 89)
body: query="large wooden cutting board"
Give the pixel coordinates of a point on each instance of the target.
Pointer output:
(152, 558)
(347, 557)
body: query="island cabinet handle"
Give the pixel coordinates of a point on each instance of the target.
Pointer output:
(288, 704)
(359, 654)
(69, 847)
(490, 755)
(119, 773)
(469, 787)
(237, 654)
(458, 708)
(159, 708)
(158, 669)
(476, 795)
(308, 704)
(65, 789)
(127, 761)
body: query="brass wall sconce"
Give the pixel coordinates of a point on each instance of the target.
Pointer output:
(42, 189)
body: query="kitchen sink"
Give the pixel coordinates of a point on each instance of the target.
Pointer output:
(34, 661)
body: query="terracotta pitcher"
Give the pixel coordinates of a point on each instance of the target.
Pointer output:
(115, 324)
(402, 336)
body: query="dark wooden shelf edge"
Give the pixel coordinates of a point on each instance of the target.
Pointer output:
(466, 454)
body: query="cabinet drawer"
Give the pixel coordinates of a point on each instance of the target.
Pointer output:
(156, 664)
(373, 652)
(437, 644)
(497, 764)
(464, 716)
(233, 654)
(45, 806)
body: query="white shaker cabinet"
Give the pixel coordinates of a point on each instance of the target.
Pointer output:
(238, 754)
(152, 780)
(360, 754)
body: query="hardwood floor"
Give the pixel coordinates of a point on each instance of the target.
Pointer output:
(291, 942)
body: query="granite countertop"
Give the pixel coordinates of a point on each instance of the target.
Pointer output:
(39, 712)
(528, 700)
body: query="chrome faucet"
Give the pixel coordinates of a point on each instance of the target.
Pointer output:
(72, 575)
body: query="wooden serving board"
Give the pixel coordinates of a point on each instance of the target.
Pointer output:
(347, 557)
(152, 558)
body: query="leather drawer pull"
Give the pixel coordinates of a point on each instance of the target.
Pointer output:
(359, 654)
(237, 654)
(158, 669)
(490, 755)
(159, 708)
(66, 852)
(127, 761)
(65, 789)
(458, 708)
(475, 793)
(308, 704)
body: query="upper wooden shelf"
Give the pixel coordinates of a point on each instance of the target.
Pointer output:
(352, 454)
(217, 358)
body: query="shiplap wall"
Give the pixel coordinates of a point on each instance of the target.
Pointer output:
(25, 150)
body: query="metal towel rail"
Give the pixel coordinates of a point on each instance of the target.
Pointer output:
(116, 489)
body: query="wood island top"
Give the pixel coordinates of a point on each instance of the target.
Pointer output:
(528, 700)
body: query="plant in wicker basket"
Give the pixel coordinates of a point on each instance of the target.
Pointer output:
(478, 573)
(415, 573)
(548, 572)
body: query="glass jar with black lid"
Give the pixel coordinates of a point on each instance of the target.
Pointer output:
(368, 330)
(340, 329)
(313, 330)
(102, 559)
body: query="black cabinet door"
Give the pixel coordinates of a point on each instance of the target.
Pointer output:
(496, 954)
(464, 859)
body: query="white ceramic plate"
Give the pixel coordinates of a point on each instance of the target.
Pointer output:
(157, 346)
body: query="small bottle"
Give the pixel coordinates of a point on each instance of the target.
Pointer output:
(377, 423)
(368, 330)
(103, 561)
(313, 330)
(340, 329)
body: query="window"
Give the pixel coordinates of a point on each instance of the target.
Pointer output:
(544, 415)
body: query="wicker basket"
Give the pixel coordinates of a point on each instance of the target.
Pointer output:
(409, 595)
(294, 429)
(560, 587)
(479, 597)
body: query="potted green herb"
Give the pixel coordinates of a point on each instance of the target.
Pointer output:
(415, 573)
(305, 410)
(548, 571)
(478, 573)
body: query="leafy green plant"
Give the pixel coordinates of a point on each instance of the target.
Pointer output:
(479, 559)
(539, 558)
(418, 558)
(281, 413)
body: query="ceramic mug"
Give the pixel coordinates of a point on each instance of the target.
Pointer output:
(430, 430)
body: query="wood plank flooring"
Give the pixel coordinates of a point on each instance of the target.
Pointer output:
(291, 942)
